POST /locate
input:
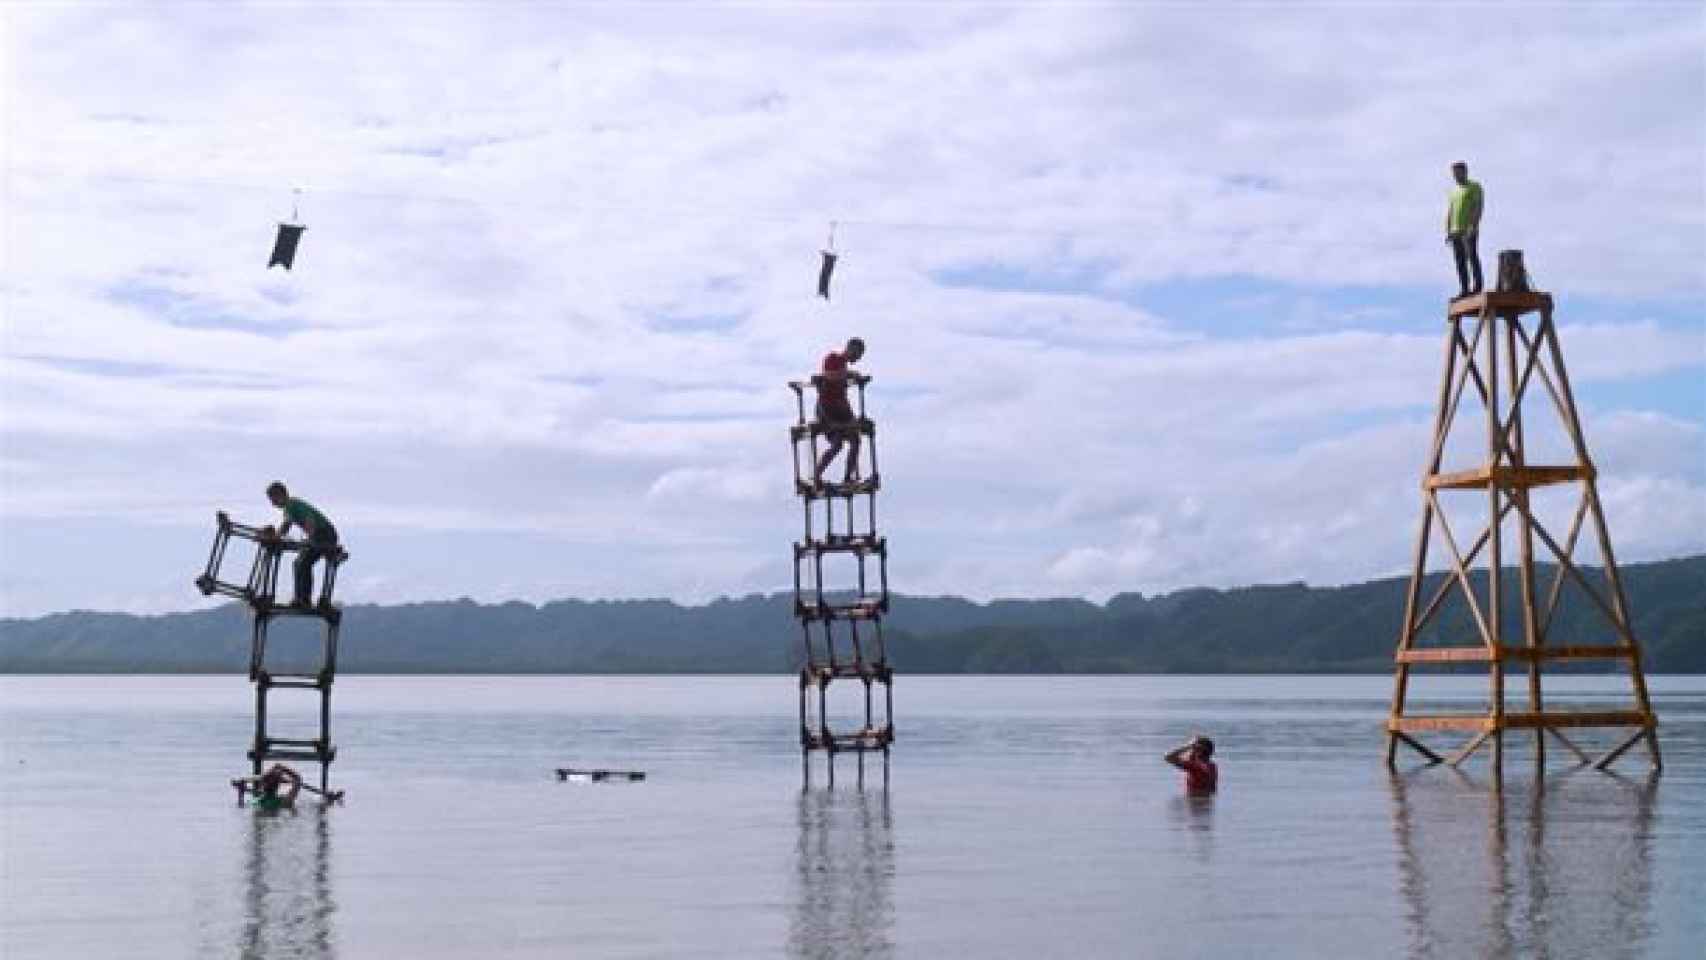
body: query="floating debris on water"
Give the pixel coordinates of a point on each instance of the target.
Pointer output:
(566, 774)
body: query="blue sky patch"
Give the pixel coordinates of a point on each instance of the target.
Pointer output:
(1084, 278)
(666, 322)
(107, 368)
(196, 313)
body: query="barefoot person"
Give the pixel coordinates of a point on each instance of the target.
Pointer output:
(835, 413)
(322, 538)
(1463, 229)
(1202, 777)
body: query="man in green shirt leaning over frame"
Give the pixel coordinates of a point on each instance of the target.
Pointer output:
(1463, 228)
(322, 538)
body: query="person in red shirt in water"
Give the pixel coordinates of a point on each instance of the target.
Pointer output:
(1202, 777)
(835, 413)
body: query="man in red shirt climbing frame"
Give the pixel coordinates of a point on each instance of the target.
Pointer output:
(835, 413)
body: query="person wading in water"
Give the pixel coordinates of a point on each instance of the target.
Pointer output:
(1202, 777)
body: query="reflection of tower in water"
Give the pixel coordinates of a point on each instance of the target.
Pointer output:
(844, 904)
(1553, 867)
(288, 908)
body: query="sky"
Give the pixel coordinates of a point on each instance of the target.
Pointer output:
(1153, 293)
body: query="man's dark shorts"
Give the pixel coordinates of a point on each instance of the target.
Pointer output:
(323, 543)
(838, 422)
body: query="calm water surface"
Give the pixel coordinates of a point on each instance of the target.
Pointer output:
(1024, 817)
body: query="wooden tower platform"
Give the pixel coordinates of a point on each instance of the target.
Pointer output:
(260, 594)
(841, 592)
(1502, 351)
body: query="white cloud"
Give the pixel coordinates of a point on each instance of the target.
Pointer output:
(731, 484)
(560, 261)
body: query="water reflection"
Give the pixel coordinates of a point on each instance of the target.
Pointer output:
(288, 907)
(857, 760)
(1192, 818)
(1560, 867)
(844, 904)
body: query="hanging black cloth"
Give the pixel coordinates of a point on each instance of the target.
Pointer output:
(284, 248)
(823, 274)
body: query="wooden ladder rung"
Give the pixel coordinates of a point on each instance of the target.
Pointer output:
(1478, 478)
(1520, 720)
(1483, 654)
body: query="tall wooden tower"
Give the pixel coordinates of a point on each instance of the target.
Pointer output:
(1522, 483)
(841, 593)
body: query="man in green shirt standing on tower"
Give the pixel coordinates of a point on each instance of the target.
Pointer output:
(322, 538)
(1463, 228)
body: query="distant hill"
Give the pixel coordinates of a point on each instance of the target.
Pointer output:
(1285, 628)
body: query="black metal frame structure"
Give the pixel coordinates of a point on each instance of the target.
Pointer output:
(841, 626)
(260, 593)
